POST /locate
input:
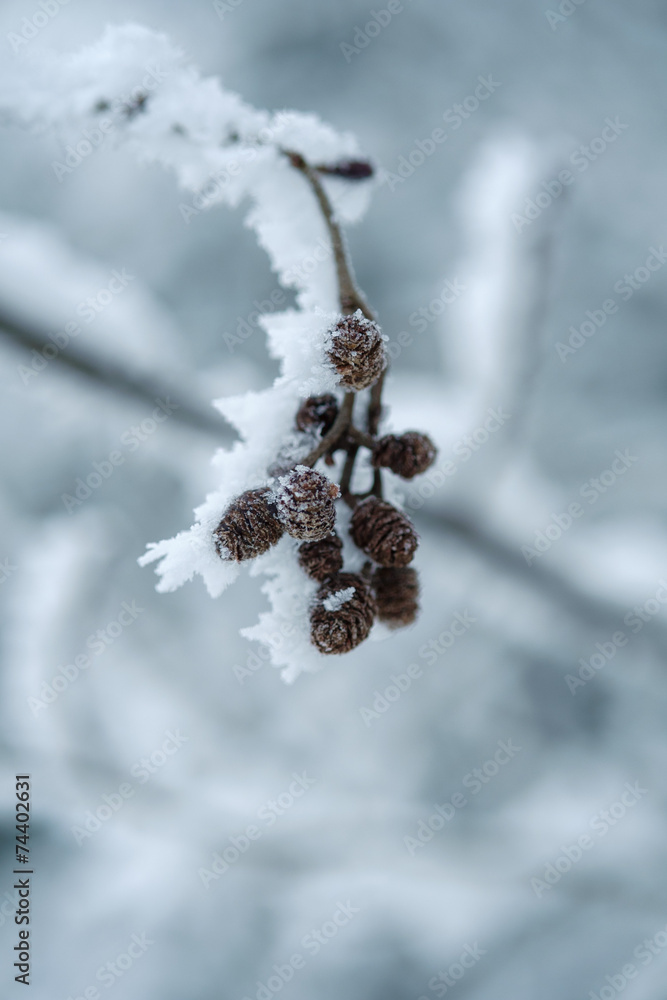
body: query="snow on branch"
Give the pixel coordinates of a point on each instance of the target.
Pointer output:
(276, 507)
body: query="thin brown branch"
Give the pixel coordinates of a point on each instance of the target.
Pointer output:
(375, 406)
(108, 374)
(365, 440)
(350, 296)
(376, 489)
(373, 418)
(346, 479)
(351, 299)
(340, 427)
(563, 591)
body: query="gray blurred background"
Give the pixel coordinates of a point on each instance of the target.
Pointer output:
(499, 881)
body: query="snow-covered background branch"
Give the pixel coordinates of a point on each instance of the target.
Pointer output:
(513, 251)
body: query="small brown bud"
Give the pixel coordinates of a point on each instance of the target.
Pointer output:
(317, 413)
(342, 615)
(249, 527)
(357, 351)
(407, 454)
(383, 533)
(305, 502)
(322, 558)
(396, 595)
(351, 170)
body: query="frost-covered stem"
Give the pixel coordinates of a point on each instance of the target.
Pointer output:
(375, 406)
(361, 438)
(376, 488)
(350, 499)
(373, 422)
(350, 296)
(341, 425)
(351, 299)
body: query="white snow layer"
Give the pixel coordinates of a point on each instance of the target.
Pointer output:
(336, 601)
(135, 84)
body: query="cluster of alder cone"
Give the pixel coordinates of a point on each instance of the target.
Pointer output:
(301, 501)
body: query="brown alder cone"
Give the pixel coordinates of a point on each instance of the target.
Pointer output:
(340, 629)
(357, 351)
(396, 595)
(383, 533)
(317, 412)
(407, 454)
(305, 503)
(322, 558)
(249, 526)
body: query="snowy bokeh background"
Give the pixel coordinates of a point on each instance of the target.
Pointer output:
(543, 667)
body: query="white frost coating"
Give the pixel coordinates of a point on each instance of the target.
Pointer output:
(222, 151)
(285, 629)
(336, 601)
(299, 340)
(220, 148)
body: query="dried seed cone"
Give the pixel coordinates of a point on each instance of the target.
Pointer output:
(305, 503)
(317, 412)
(249, 527)
(323, 558)
(407, 455)
(396, 595)
(357, 351)
(383, 533)
(342, 628)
